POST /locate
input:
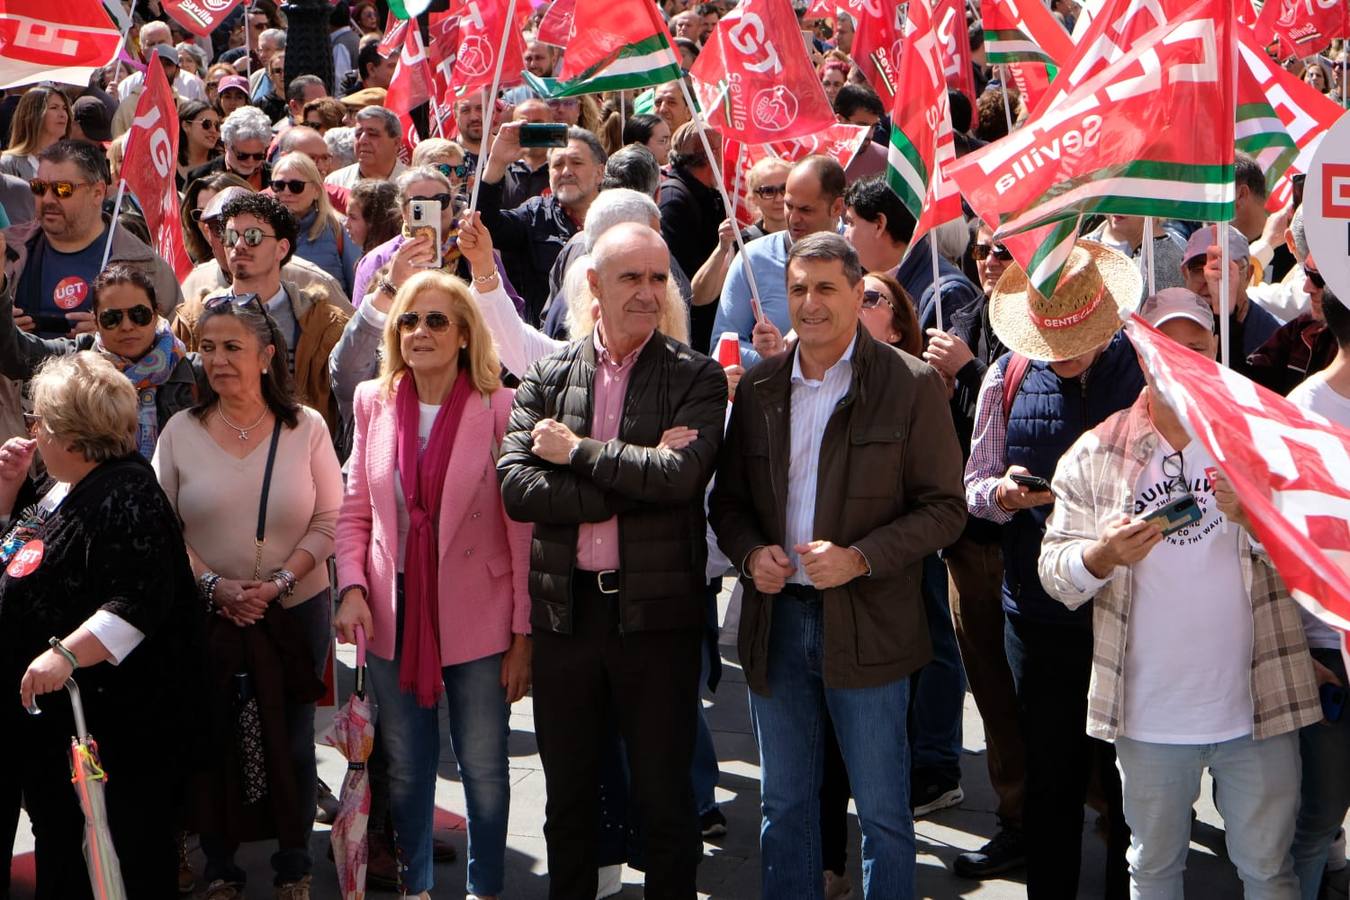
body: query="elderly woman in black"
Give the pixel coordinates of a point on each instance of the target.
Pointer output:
(96, 584)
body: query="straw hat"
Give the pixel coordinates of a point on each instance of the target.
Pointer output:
(1081, 315)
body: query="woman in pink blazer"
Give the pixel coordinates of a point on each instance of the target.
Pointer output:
(435, 572)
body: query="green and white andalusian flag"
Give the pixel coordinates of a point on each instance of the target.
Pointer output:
(1025, 37)
(617, 45)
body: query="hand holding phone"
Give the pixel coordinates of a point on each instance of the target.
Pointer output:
(1030, 482)
(1176, 514)
(424, 221)
(1019, 489)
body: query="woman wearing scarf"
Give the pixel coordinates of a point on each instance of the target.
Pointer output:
(128, 333)
(434, 571)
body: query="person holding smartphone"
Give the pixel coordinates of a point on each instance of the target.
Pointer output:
(1217, 677)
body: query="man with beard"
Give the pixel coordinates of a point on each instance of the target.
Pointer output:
(469, 118)
(531, 235)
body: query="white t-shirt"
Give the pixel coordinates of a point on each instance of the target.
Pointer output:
(1315, 395)
(1188, 650)
(426, 418)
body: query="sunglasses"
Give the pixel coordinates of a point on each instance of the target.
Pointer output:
(460, 171)
(437, 322)
(208, 124)
(62, 189)
(1315, 277)
(873, 299)
(767, 191)
(294, 185)
(139, 315)
(252, 236)
(240, 300)
(981, 252)
(196, 214)
(250, 157)
(442, 199)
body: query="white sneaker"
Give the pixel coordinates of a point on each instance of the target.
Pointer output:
(1336, 855)
(610, 883)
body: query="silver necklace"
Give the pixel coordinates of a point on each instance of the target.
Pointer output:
(243, 432)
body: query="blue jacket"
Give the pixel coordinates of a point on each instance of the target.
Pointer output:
(1048, 414)
(333, 250)
(915, 274)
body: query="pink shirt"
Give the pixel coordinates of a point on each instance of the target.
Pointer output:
(598, 542)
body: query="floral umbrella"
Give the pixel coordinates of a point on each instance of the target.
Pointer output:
(353, 734)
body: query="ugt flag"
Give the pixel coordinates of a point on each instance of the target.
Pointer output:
(63, 42)
(151, 163)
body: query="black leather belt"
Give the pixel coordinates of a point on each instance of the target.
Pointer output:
(801, 592)
(606, 582)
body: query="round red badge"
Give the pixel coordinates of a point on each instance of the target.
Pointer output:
(70, 292)
(26, 561)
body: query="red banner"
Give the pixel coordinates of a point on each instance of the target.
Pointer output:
(150, 165)
(201, 17)
(876, 43)
(954, 44)
(559, 24)
(1305, 27)
(45, 41)
(840, 142)
(409, 87)
(754, 79)
(483, 33)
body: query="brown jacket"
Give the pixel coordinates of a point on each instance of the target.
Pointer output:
(889, 483)
(321, 322)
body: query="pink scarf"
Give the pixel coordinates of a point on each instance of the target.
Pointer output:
(423, 476)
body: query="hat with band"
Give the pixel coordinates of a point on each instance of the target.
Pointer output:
(1079, 317)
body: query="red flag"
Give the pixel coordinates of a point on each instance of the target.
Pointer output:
(1287, 468)
(609, 27)
(1305, 27)
(150, 165)
(45, 41)
(876, 43)
(840, 142)
(1030, 41)
(754, 79)
(954, 45)
(394, 30)
(483, 33)
(409, 87)
(558, 26)
(201, 17)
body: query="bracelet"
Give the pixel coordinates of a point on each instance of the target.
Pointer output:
(207, 584)
(388, 287)
(484, 279)
(285, 580)
(62, 649)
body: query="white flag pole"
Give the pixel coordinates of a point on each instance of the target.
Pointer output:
(490, 103)
(1007, 107)
(932, 237)
(112, 226)
(1221, 232)
(716, 165)
(1148, 255)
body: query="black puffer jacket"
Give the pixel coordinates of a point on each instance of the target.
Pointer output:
(657, 494)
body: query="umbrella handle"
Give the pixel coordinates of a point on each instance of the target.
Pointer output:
(77, 707)
(360, 661)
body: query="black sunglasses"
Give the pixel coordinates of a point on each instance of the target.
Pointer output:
(771, 190)
(294, 185)
(442, 199)
(873, 299)
(981, 252)
(241, 300)
(250, 157)
(62, 189)
(436, 322)
(252, 236)
(139, 315)
(208, 124)
(1315, 277)
(460, 171)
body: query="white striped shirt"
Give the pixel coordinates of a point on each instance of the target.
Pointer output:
(813, 402)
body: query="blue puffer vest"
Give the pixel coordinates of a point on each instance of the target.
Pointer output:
(1048, 415)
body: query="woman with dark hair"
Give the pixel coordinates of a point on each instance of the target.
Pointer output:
(130, 335)
(198, 194)
(198, 137)
(373, 213)
(651, 132)
(888, 313)
(254, 479)
(41, 119)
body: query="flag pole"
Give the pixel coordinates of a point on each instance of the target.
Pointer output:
(488, 107)
(1221, 232)
(1007, 108)
(112, 226)
(716, 165)
(932, 237)
(736, 180)
(1148, 255)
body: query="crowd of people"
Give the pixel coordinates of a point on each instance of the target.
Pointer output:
(502, 446)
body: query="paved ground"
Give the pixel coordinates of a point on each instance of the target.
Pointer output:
(730, 867)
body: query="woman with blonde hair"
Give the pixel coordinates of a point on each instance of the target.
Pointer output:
(41, 119)
(322, 240)
(422, 492)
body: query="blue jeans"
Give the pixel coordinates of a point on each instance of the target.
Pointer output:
(1256, 792)
(1325, 750)
(870, 726)
(939, 688)
(479, 725)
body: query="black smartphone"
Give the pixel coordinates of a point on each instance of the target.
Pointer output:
(1030, 482)
(1176, 514)
(53, 324)
(543, 134)
(1333, 701)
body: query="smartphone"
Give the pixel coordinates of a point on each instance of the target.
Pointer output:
(1030, 482)
(1176, 514)
(543, 134)
(53, 325)
(1333, 701)
(425, 221)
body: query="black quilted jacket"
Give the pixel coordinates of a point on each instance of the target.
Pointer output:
(658, 495)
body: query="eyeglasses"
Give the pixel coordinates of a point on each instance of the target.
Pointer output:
(1174, 470)
(196, 214)
(981, 252)
(294, 185)
(768, 191)
(250, 157)
(873, 299)
(208, 124)
(442, 199)
(437, 322)
(460, 171)
(252, 236)
(240, 300)
(62, 189)
(139, 315)
(31, 421)
(1315, 277)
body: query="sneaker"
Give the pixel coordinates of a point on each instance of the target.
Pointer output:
(326, 807)
(1336, 854)
(1002, 854)
(837, 887)
(713, 824)
(930, 796)
(223, 890)
(293, 890)
(187, 879)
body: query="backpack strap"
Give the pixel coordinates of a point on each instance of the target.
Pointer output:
(1012, 380)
